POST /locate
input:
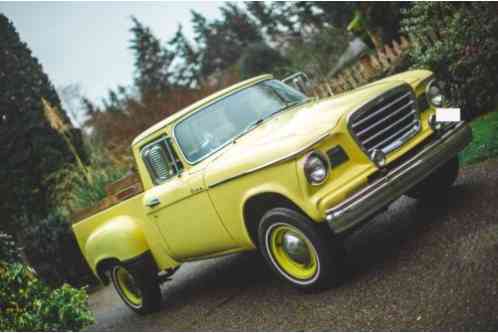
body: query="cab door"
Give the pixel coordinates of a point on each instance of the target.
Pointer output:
(180, 207)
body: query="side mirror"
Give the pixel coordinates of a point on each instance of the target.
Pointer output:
(299, 81)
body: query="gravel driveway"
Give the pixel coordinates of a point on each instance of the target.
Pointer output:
(413, 267)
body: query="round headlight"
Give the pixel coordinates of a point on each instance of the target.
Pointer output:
(434, 93)
(315, 168)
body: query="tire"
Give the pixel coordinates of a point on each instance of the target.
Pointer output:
(438, 183)
(320, 263)
(139, 290)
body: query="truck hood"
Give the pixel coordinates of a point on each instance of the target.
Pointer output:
(289, 132)
(295, 129)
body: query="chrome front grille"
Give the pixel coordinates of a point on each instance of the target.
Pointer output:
(387, 121)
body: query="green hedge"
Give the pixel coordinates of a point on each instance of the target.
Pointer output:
(27, 304)
(51, 248)
(465, 54)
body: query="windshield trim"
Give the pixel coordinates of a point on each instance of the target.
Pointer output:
(173, 132)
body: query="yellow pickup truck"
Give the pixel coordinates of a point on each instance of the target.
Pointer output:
(260, 165)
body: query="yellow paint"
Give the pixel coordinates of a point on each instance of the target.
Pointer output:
(201, 211)
(126, 283)
(296, 270)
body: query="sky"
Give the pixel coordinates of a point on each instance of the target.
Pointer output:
(86, 43)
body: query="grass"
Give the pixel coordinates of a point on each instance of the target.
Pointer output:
(485, 142)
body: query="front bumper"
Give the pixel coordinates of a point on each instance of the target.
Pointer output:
(399, 179)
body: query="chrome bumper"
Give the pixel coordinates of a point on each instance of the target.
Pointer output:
(399, 180)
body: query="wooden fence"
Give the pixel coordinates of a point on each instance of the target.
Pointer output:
(368, 68)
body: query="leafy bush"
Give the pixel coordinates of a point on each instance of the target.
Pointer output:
(77, 189)
(27, 304)
(465, 52)
(51, 248)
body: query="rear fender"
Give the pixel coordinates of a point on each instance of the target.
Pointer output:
(121, 238)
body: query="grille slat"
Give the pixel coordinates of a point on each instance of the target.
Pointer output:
(385, 129)
(373, 114)
(379, 122)
(383, 121)
(391, 138)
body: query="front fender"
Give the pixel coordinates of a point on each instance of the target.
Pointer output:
(120, 238)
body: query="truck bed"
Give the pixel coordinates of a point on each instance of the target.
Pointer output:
(119, 191)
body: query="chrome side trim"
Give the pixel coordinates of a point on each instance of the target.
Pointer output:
(276, 161)
(396, 182)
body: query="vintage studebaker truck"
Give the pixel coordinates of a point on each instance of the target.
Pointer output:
(260, 165)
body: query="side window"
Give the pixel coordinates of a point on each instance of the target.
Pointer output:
(161, 160)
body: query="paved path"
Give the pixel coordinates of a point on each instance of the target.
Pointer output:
(411, 268)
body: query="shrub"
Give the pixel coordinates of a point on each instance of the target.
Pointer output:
(464, 53)
(77, 190)
(51, 248)
(27, 304)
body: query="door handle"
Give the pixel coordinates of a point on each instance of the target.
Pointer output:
(152, 202)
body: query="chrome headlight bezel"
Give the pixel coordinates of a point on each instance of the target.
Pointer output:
(315, 162)
(434, 93)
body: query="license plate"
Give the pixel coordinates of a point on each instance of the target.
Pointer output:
(448, 114)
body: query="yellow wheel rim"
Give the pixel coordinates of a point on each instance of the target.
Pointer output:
(303, 267)
(128, 286)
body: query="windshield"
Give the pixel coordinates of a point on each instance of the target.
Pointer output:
(214, 126)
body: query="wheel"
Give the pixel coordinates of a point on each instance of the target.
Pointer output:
(140, 291)
(299, 250)
(438, 183)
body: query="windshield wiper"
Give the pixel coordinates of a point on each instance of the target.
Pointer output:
(249, 127)
(259, 121)
(289, 105)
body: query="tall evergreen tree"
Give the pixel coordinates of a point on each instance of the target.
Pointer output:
(221, 42)
(186, 71)
(30, 149)
(152, 60)
(297, 19)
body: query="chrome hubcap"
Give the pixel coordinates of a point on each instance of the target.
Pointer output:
(296, 248)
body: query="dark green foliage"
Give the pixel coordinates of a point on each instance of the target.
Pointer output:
(222, 42)
(27, 304)
(152, 60)
(296, 19)
(465, 54)
(30, 150)
(52, 250)
(187, 71)
(75, 192)
(261, 59)
(384, 18)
